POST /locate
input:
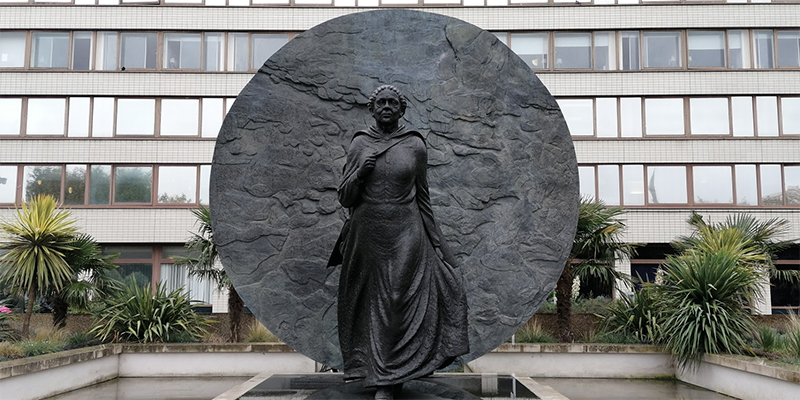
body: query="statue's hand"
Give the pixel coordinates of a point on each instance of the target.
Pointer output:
(366, 168)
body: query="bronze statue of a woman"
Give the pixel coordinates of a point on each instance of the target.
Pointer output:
(402, 306)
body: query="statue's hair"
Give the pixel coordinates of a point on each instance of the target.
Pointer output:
(403, 101)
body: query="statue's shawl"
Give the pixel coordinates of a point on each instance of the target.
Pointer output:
(501, 170)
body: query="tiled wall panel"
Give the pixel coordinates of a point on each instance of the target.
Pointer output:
(655, 151)
(107, 151)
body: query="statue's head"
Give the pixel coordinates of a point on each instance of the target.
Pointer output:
(387, 105)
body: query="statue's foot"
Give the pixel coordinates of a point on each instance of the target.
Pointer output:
(384, 393)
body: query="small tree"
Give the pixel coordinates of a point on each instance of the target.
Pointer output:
(596, 246)
(37, 241)
(202, 263)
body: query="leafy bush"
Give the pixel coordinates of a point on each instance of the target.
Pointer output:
(258, 333)
(768, 339)
(533, 332)
(138, 314)
(701, 301)
(32, 348)
(6, 316)
(632, 318)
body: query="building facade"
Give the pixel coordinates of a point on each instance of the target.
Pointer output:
(114, 105)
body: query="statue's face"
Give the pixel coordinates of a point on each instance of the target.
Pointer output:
(387, 108)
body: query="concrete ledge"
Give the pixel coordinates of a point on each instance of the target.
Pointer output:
(54, 360)
(744, 377)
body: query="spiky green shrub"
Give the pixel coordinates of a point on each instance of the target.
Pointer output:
(77, 340)
(701, 303)
(139, 314)
(768, 339)
(632, 317)
(792, 338)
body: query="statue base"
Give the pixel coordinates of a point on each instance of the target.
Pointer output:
(329, 386)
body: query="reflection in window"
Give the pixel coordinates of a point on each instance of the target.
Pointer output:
(706, 49)
(631, 116)
(133, 184)
(214, 55)
(629, 50)
(212, 117)
(81, 50)
(791, 176)
(606, 117)
(790, 115)
(10, 116)
(183, 50)
(179, 117)
(662, 50)
(573, 50)
(265, 45)
(46, 116)
(106, 51)
(746, 185)
(75, 185)
(103, 117)
(762, 45)
(771, 186)
(501, 36)
(605, 58)
(139, 273)
(579, 116)
(709, 116)
(664, 116)
(788, 48)
(712, 185)
(608, 184)
(177, 185)
(739, 49)
(743, 124)
(12, 49)
(50, 50)
(767, 115)
(666, 185)
(41, 180)
(633, 185)
(586, 179)
(8, 183)
(138, 50)
(237, 52)
(136, 116)
(177, 277)
(100, 185)
(531, 48)
(205, 179)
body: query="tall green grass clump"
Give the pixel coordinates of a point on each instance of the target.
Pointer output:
(533, 332)
(138, 314)
(633, 317)
(792, 337)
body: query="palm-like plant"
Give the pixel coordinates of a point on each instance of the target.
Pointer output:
(37, 242)
(596, 246)
(202, 263)
(90, 281)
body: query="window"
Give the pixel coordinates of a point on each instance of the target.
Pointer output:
(771, 185)
(666, 185)
(573, 50)
(633, 185)
(213, 113)
(50, 50)
(586, 179)
(606, 117)
(237, 52)
(46, 116)
(205, 181)
(41, 180)
(662, 50)
(78, 117)
(706, 49)
(608, 184)
(746, 185)
(133, 184)
(709, 116)
(12, 49)
(605, 57)
(767, 115)
(135, 263)
(138, 50)
(177, 185)
(100, 185)
(762, 44)
(214, 55)
(664, 116)
(264, 46)
(739, 49)
(10, 116)
(531, 48)
(579, 116)
(177, 277)
(742, 113)
(81, 50)
(106, 51)
(788, 48)
(791, 176)
(790, 115)
(75, 185)
(8, 184)
(631, 116)
(179, 117)
(136, 116)
(712, 184)
(103, 117)
(629, 50)
(183, 50)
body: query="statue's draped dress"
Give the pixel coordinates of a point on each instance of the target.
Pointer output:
(402, 309)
